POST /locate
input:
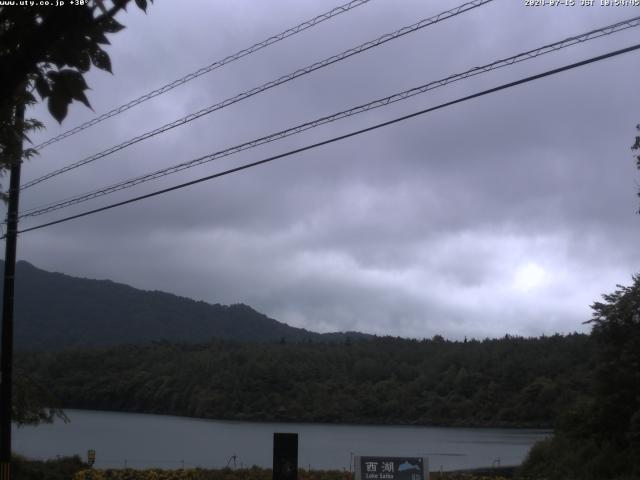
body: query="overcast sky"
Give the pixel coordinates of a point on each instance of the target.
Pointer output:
(510, 213)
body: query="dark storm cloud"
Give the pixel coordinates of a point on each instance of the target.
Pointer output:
(507, 214)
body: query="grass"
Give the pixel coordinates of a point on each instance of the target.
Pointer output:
(73, 468)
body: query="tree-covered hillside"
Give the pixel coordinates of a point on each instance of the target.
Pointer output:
(506, 382)
(55, 311)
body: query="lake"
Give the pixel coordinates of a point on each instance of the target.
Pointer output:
(142, 441)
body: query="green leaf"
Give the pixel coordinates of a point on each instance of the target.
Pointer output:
(29, 99)
(58, 107)
(33, 124)
(98, 36)
(29, 152)
(84, 61)
(81, 97)
(112, 26)
(71, 84)
(100, 59)
(72, 80)
(121, 3)
(42, 86)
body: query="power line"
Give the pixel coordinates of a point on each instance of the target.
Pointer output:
(266, 86)
(528, 55)
(341, 137)
(215, 65)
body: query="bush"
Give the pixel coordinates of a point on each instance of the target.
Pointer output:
(60, 469)
(563, 458)
(254, 473)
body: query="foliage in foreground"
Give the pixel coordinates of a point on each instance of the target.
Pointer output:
(600, 438)
(49, 50)
(73, 468)
(32, 404)
(254, 473)
(59, 469)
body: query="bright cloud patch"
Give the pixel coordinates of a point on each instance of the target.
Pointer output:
(529, 277)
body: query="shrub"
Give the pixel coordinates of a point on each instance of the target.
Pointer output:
(59, 469)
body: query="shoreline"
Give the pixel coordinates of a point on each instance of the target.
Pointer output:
(538, 429)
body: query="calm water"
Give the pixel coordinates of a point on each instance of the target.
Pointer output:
(142, 441)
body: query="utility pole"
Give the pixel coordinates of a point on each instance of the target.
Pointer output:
(6, 357)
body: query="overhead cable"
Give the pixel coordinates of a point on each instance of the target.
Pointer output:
(215, 65)
(266, 86)
(520, 57)
(338, 138)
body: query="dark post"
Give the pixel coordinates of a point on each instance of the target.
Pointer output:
(6, 357)
(285, 456)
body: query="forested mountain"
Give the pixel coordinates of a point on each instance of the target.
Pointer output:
(55, 311)
(506, 382)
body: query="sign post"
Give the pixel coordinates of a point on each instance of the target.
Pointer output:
(392, 468)
(91, 457)
(285, 456)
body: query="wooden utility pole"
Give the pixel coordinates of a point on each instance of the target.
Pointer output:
(6, 357)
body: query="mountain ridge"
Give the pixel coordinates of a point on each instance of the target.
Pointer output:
(54, 310)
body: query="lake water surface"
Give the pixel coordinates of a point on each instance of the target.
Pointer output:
(142, 441)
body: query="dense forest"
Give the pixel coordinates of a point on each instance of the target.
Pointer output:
(506, 382)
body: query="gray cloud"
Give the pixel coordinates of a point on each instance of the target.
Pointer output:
(507, 214)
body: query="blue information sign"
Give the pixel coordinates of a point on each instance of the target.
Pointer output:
(392, 468)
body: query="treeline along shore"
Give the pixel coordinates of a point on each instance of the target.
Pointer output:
(507, 382)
